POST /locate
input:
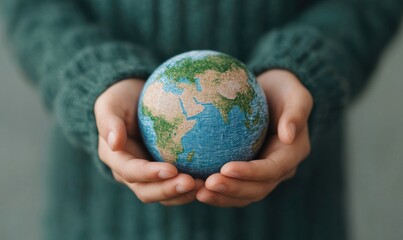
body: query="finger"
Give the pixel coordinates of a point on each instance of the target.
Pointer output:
(132, 169)
(185, 198)
(294, 116)
(241, 189)
(180, 200)
(164, 190)
(111, 126)
(118, 177)
(215, 199)
(275, 166)
(290, 102)
(272, 169)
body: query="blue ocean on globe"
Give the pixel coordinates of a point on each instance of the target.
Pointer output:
(200, 110)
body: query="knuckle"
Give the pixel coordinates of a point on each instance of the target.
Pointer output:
(167, 192)
(257, 198)
(146, 200)
(126, 173)
(102, 124)
(168, 203)
(253, 168)
(308, 98)
(299, 115)
(276, 173)
(143, 197)
(294, 155)
(179, 201)
(102, 153)
(291, 175)
(307, 149)
(147, 172)
(117, 177)
(261, 196)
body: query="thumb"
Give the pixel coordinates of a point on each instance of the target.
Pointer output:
(112, 129)
(292, 120)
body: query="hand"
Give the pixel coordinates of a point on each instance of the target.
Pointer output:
(120, 148)
(241, 183)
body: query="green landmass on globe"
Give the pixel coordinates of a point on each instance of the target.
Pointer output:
(190, 88)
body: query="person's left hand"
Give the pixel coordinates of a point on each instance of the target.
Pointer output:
(240, 183)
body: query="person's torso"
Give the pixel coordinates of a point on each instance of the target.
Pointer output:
(169, 27)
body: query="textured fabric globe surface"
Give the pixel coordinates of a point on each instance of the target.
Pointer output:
(200, 110)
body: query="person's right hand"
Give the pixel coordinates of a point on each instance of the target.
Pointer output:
(120, 148)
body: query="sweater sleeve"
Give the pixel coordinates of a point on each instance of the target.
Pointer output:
(72, 61)
(332, 47)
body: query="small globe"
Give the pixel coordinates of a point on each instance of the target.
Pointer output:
(200, 110)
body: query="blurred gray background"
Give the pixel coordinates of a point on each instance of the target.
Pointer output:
(375, 153)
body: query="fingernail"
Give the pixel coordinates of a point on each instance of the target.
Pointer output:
(219, 188)
(165, 174)
(181, 189)
(291, 130)
(111, 140)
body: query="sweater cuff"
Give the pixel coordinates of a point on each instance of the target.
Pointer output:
(86, 77)
(312, 58)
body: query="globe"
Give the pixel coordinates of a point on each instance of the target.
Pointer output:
(200, 110)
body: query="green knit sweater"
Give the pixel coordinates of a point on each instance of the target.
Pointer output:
(75, 49)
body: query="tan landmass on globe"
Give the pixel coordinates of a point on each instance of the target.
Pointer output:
(162, 103)
(214, 85)
(167, 106)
